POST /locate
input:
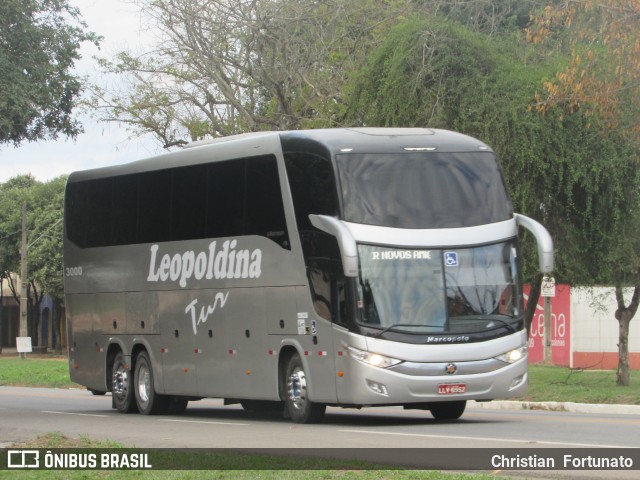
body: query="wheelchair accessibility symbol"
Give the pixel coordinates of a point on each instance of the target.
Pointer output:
(451, 259)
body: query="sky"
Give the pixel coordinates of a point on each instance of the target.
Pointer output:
(102, 144)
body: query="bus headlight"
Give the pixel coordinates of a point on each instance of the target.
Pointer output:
(373, 359)
(514, 355)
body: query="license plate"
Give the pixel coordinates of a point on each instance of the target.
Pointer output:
(452, 388)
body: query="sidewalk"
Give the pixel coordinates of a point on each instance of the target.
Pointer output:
(598, 409)
(38, 352)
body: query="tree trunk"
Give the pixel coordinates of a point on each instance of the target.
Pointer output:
(1, 308)
(622, 375)
(624, 314)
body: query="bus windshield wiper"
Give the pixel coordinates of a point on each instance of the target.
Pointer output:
(508, 325)
(411, 325)
(489, 319)
(504, 323)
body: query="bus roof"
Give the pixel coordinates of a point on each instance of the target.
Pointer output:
(333, 141)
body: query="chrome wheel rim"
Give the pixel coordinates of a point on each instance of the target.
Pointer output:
(144, 384)
(297, 389)
(120, 381)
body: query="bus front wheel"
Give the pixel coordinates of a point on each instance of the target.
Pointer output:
(122, 395)
(298, 405)
(447, 410)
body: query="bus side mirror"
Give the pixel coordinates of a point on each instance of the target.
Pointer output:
(543, 239)
(346, 242)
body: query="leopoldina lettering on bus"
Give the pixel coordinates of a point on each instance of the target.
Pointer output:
(226, 262)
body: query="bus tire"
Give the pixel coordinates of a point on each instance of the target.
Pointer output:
(177, 405)
(148, 401)
(447, 410)
(297, 403)
(122, 395)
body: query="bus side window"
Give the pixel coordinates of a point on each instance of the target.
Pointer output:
(154, 207)
(320, 286)
(244, 198)
(327, 286)
(99, 206)
(221, 199)
(264, 210)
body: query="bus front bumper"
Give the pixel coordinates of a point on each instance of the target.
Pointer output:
(370, 385)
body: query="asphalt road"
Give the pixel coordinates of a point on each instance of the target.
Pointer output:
(28, 412)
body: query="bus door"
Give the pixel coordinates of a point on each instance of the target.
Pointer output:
(325, 324)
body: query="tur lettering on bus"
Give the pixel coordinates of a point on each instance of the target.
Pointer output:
(206, 310)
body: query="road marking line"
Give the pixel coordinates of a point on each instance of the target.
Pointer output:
(453, 437)
(72, 413)
(205, 422)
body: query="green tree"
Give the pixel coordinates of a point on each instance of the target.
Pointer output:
(39, 43)
(230, 67)
(602, 75)
(13, 193)
(44, 225)
(601, 80)
(45, 245)
(490, 17)
(439, 74)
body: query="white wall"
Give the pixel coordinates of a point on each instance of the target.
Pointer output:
(594, 327)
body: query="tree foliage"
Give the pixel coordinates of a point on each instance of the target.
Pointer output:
(44, 226)
(603, 73)
(489, 17)
(45, 237)
(39, 44)
(439, 74)
(13, 193)
(602, 79)
(229, 67)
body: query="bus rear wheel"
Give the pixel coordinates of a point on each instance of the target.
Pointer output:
(148, 401)
(447, 410)
(177, 405)
(122, 396)
(298, 405)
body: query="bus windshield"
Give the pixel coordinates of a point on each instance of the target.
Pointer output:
(454, 291)
(423, 190)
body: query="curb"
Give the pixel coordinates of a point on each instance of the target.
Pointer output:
(613, 409)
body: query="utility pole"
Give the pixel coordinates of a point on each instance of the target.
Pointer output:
(548, 290)
(23, 280)
(1, 306)
(548, 352)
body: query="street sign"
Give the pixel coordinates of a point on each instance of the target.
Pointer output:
(23, 345)
(548, 287)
